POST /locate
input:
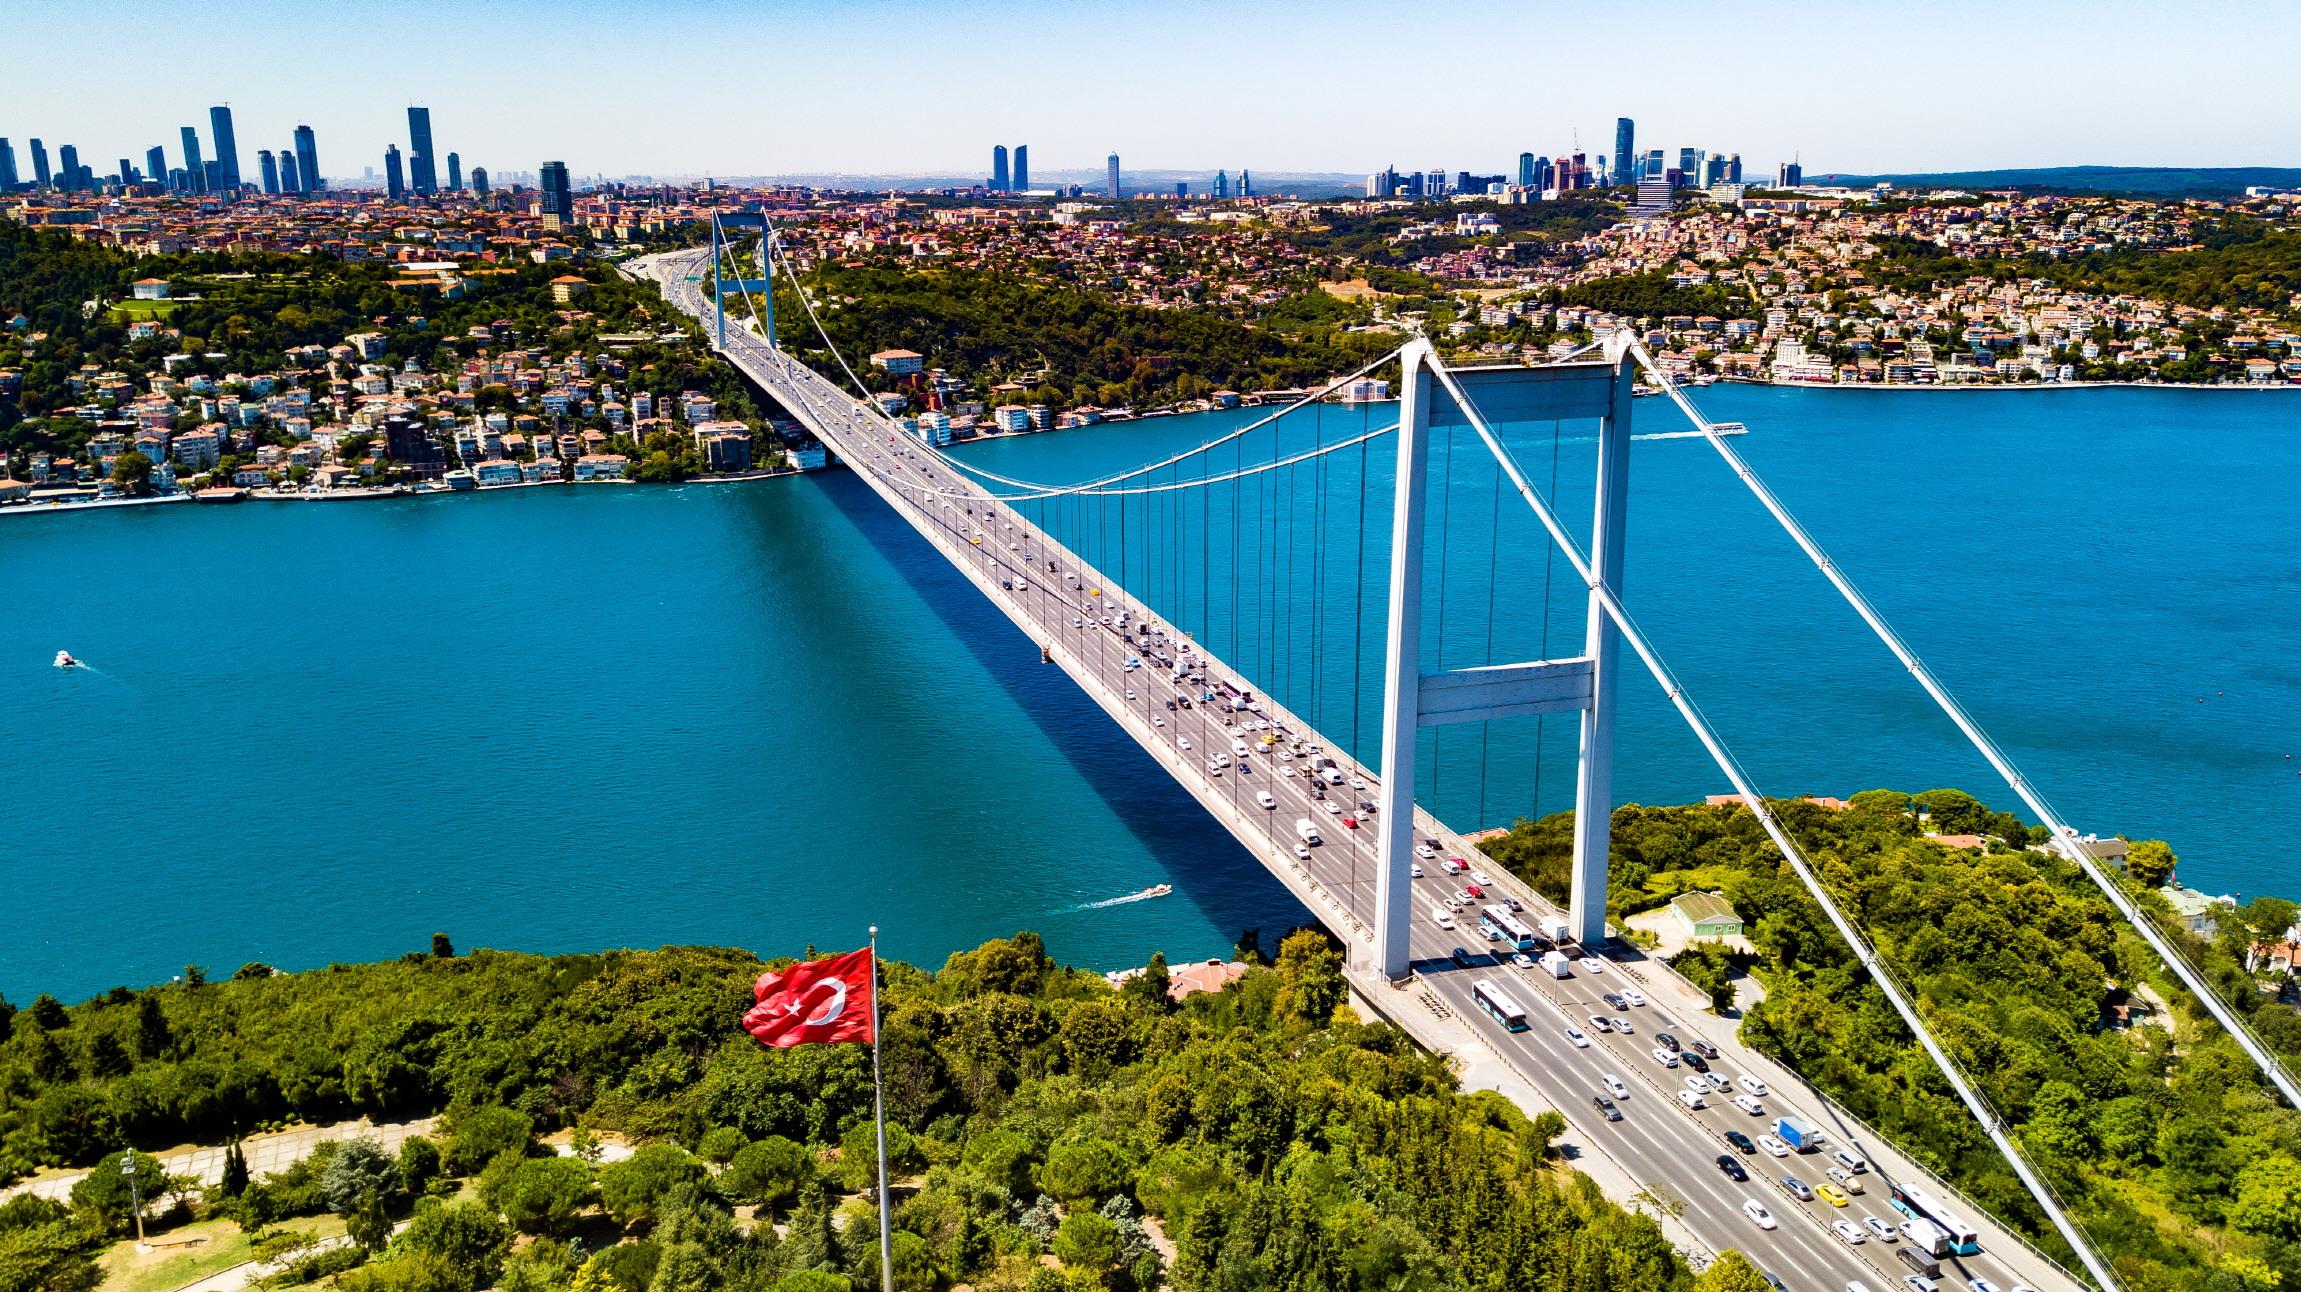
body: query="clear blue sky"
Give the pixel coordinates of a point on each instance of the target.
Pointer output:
(775, 86)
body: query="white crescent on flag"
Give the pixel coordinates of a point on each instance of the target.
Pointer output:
(831, 1011)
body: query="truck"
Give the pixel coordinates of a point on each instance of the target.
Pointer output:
(1305, 830)
(1558, 965)
(1553, 927)
(1926, 1236)
(1798, 1133)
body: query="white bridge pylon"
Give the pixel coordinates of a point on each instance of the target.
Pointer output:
(1586, 683)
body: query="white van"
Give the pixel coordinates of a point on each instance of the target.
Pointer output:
(1263, 797)
(1330, 776)
(1306, 830)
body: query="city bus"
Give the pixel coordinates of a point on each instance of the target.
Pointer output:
(1498, 1007)
(1505, 925)
(1917, 1204)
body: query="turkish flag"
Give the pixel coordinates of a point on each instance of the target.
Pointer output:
(814, 1002)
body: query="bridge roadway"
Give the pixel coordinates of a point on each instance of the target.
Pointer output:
(1092, 629)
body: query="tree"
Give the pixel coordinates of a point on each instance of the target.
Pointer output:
(720, 1144)
(53, 1255)
(1085, 1169)
(1732, 1272)
(635, 1188)
(369, 1226)
(1149, 987)
(419, 1164)
(1087, 1241)
(1709, 966)
(2150, 862)
(232, 1180)
(2269, 1198)
(541, 1195)
(1310, 982)
(859, 1154)
(104, 1194)
(466, 1235)
(132, 473)
(480, 1135)
(357, 1173)
(774, 1173)
(1098, 1036)
(441, 947)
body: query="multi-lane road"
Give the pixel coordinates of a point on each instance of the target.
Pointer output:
(1260, 771)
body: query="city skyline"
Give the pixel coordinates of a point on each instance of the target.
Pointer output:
(1716, 76)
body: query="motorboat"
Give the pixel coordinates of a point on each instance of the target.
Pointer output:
(64, 660)
(1156, 890)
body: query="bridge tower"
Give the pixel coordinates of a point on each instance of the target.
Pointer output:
(1586, 683)
(720, 287)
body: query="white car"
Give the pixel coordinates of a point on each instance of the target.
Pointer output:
(1849, 1231)
(1455, 865)
(1691, 1100)
(1158, 722)
(1302, 851)
(1665, 1058)
(1414, 869)
(1756, 1210)
(1633, 995)
(1478, 877)
(1981, 1285)
(1286, 771)
(1773, 1144)
(1590, 964)
(1717, 1083)
(1749, 1105)
(1614, 1086)
(1333, 808)
(1850, 1160)
(1238, 747)
(1697, 1085)
(1622, 1025)
(1426, 852)
(1751, 1084)
(1263, 797)
(1883, 1228)
(1183, 741)
(1580, 1041)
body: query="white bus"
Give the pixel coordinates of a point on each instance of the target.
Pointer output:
(1506, 926)
(1918, 1204)
(1498, 1007)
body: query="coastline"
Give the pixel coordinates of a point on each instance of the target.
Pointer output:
(2009, 385)
(363, 495)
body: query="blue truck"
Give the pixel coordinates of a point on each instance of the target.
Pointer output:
(1798, 1133)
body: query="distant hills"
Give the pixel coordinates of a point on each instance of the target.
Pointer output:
(2126, 181)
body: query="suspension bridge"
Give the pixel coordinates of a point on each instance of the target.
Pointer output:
(1124, 582)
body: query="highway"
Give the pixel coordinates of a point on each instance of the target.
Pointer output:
(1123, 655)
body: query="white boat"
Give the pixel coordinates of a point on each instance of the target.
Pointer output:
(1156, 890)
(64, 660)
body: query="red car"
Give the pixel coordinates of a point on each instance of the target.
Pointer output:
(1474, 890)
(1350, 821)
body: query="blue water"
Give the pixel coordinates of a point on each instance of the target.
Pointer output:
(766, 715)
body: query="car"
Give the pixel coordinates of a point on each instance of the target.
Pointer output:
(1614, 1086)
(1797, 1188)
(1606, 1108)
(1615, 999)
(1601, 1023)
(1693, 1060)
(1480, 877)
(1980, 1285)
(1667, 1042)
(1473, 891)
(1742, 1143)
(1707, 1050)
(1756, 1210)
(1426, 852)
(1751, 1084)
(1513, 903)
(1717, 1082)
(1288, 771)
(1636, 997)
(1591, 964)
(1850, 1160)
(1622, 1025)
(1415, 869)
(1697, 1085)
(1692, 1101)
(1491, 935)
(1158, 722)
(1830, 1194)
(1264, 797)
(1574, 1035)
(1302, 851)
(1732, 1166)
(1349, 822)
(1462, 958)
(1773, 1144)
(1238, 747)
(1665, 1058)
(1849, 1231)
(1333, 808)
(1920, 1283)
(1455, 865)
(1884, 1229)
(1183, 741)
(1749, 1105)
(1521, 959)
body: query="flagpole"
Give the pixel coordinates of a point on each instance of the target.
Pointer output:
(879, 1100)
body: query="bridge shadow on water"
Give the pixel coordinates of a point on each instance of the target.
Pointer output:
(1227, 884)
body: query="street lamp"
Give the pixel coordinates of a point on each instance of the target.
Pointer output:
(135, 1196)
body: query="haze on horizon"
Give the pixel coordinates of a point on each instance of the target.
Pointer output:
(907, 87)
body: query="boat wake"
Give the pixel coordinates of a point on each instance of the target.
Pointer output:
(1154, 891)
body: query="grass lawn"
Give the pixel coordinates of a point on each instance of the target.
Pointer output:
(133, 310)
(190, 1253)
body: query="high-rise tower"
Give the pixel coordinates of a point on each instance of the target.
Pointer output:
(454, 173)
(1114, 177)
(422, 177)
(227, 144)
(156, 165)
(1022, 175)
(308, 160)
(558, 193)
(39, 153)
(998, 168)
(395, 181)
(7, 166)
(1625, 140)
(195, 172)
(269, 169)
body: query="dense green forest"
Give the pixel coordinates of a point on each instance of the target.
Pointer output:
(250, 309)
(1276, 1141)
(2177, 1158)
(1071, 345)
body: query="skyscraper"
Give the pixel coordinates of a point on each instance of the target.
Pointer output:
(395, 183)
(39, 164)
(308, 160)
(1690, 165)
(479, 180)
(1525, 170)
(290, 180)
(156, 165)
(1022, 168)
(558, 193)
(421, 176)
(1734, 169)
(1245, 182)
(7, 166)
(1625, 141)
(454, 173)
(1791, 175)
(269, 169)
(127, 171)
(227, 144)
(1222, 183)
(69, 158)
(1114, 168)
(998, 168)
(194, 171)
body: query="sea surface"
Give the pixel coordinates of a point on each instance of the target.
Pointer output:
(765, 714)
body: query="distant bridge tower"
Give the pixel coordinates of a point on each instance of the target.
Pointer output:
(1413, 699)
(720, 287)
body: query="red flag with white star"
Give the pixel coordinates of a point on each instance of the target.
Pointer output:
(814, 1002)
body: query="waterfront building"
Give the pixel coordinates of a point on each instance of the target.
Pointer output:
(1022, 175)
(998, 168)
(266, 167)
(195, 171)
(395, 182)
(308, 160)
(558, 194)
(227, 145)
(1625, 141)
(7, 166)
(1113, 164)
(421, 174)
